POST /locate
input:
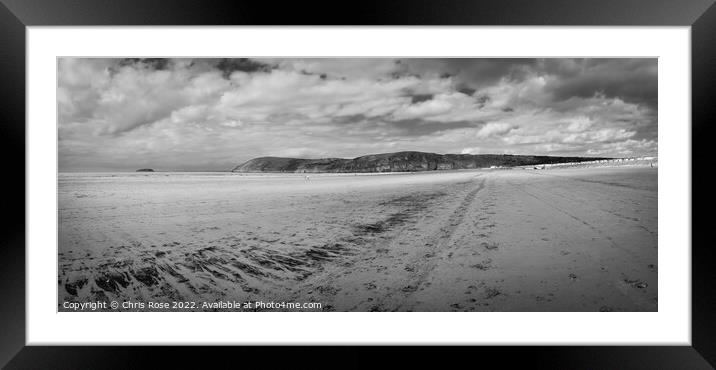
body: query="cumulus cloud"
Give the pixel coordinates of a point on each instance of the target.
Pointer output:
(210, 114)
(494, 129)
(473, 150)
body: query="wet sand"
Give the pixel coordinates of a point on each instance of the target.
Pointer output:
(495, 240)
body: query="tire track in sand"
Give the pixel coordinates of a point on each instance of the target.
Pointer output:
(596, 230)
(615, 283)
(397, 296)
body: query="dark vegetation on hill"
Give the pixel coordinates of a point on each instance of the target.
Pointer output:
(399, 162)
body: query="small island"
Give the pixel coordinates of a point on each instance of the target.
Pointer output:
(145, 170)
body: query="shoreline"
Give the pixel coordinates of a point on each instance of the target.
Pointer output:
(620, 162)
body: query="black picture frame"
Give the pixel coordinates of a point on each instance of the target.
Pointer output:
(16, 15)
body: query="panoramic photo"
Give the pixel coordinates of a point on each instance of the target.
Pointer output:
(357, 184)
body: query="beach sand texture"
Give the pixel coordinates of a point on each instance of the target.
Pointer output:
(580, 239)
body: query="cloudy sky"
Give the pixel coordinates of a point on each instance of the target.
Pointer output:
(212, 114)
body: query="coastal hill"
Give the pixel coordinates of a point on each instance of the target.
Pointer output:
(399, 162)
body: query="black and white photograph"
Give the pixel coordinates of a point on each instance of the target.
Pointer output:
(398, 184)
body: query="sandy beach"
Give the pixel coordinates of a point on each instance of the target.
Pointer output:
(581, 239)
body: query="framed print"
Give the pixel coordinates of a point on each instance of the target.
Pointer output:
(398, 175)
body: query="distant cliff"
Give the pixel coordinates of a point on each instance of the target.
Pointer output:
(398, 162)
